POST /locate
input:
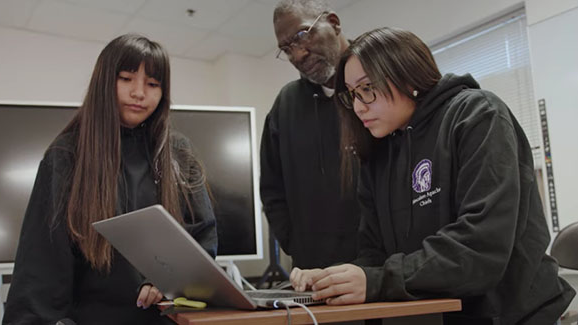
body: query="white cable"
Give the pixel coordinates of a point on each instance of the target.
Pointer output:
(251, 287)
(306, 309)
(236, 275)
(233, 271)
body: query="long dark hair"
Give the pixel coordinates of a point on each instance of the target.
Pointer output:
(386, 54)
(96, 128)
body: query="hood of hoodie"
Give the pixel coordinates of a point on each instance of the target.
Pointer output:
(448, 86)
(399, 154)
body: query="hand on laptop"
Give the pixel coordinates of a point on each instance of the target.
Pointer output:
(148, 295)
(301, 280)
(338, 285)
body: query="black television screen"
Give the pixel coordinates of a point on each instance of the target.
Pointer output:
(223, 137)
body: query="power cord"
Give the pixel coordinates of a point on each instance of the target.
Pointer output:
(249, 285)
(278, 304)
(306, 309)
(288, 314)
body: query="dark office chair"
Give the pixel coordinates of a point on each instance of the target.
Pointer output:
(564, 250)
(564, 247)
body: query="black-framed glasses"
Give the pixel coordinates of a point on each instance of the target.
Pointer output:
(301, 37)
(364, 92)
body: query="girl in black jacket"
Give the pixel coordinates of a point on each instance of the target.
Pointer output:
(450, 206)
(116, 155)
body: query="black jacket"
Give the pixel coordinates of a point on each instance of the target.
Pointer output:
(52, 280)
(451, 209)
(313, 219)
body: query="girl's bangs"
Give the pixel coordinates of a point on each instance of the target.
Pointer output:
(154, 62)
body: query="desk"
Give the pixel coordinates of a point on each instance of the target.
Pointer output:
(409, 312)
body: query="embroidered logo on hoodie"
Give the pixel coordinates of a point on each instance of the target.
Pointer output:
(421, 176)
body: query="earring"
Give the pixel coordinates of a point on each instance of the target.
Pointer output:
(415, 93)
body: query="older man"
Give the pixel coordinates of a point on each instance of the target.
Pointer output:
(314, 219)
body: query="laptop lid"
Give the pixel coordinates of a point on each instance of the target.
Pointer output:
(163, 252)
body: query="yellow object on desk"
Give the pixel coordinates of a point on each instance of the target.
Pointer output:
(184, 302)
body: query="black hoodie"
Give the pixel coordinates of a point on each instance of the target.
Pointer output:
(313, 219)
(52, 280)
(450, 208)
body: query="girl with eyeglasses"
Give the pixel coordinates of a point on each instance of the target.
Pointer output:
(450, 206)
(117, 155)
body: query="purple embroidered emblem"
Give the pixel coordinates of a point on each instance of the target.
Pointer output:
(421, 176)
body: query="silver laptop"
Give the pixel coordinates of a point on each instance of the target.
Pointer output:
(167, 255)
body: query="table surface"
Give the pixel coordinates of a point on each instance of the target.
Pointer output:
(323, 313)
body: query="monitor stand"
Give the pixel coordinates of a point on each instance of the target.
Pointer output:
(275, 271)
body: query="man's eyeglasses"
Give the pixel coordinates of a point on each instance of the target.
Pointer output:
(301, 37)
(364, 92)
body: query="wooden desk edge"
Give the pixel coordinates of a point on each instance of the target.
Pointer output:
(323, 313)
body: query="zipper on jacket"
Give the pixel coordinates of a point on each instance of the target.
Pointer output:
(319, 138)
(389, 172)
(409, 158)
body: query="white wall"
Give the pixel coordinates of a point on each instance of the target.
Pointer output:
(248, 81)
(553, 37)
(194, 83)
(35, 67)
(539, 10)
(38, 67)
(555, 75)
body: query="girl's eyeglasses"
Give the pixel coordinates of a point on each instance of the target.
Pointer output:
(364, 92)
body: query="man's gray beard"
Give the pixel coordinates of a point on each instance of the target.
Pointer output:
(321, 79)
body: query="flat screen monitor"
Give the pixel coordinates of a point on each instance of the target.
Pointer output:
(223, 138)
